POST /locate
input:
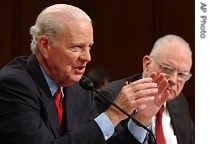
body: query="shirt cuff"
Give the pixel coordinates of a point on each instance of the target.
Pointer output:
(138, 132)
(105, 125)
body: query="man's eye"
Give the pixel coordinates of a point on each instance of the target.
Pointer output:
(167, 69)
(182, 74)
(75, 49)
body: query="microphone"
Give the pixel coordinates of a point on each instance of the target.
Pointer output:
(87, 84)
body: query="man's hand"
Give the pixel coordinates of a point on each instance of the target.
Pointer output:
(148, 108)
(136, 96)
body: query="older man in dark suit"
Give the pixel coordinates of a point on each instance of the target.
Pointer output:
(172, 56)
(41, 101)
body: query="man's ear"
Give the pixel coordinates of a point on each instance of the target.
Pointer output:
(44, 45)
(146, 63)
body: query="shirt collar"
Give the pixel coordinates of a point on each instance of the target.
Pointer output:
(53, 87)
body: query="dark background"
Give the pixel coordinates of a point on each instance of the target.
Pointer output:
(124, 31)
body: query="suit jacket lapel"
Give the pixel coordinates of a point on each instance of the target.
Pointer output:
(179, 118)
(71, 108)
(176, 120)
(50, 116)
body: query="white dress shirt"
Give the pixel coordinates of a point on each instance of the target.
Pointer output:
(168, 131)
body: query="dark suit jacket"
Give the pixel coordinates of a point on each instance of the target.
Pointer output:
(28, 116)
(178, 109)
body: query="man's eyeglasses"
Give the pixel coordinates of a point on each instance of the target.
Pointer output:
(181, 75)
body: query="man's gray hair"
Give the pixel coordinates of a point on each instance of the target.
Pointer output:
(51, 20)
(166, 39)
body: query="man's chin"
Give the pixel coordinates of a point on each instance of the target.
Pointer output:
(77, 77)
(71, 80)
(172, 95)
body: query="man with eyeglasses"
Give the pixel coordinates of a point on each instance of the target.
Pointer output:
(172, 56)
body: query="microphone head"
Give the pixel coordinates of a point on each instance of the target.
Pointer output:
(86, 83)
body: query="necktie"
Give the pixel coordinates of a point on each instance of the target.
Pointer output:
(58, 105)
(158, 127)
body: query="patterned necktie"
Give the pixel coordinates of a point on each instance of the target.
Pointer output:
(158, 127)
(58, 105)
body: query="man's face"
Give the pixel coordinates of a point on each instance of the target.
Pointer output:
(65, 62)
(174, 62)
